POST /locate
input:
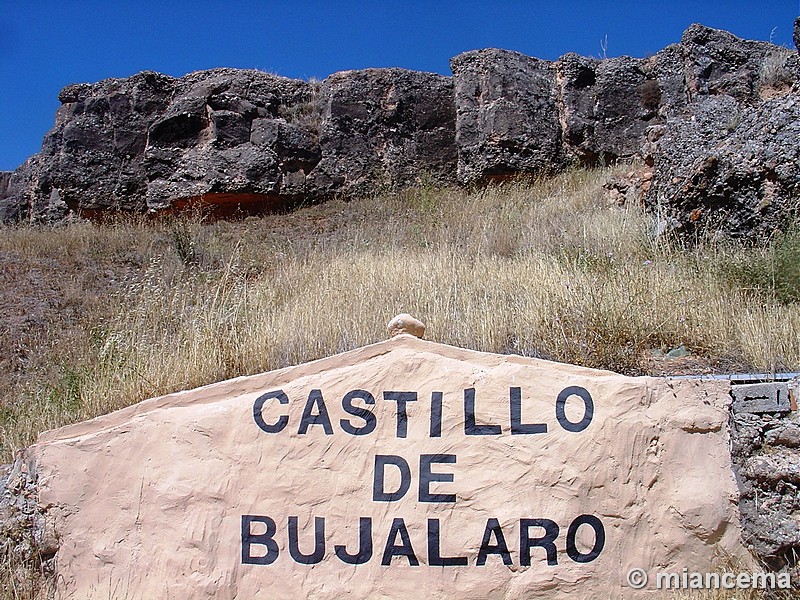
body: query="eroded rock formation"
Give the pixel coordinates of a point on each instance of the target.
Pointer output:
(384, 128)
(797, 33)
(729, 167)
(765, 453)
(507, 118)
(713, 116)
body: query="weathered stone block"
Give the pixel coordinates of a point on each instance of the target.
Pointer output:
(384, 128)
(607, 106)
(761, 398)
(796, 36)
(718, 62)
(729, 168)
(507, 121)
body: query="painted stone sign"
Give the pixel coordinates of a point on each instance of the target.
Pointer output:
(405, 469)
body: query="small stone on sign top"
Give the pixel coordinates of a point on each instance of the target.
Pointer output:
(405, 324)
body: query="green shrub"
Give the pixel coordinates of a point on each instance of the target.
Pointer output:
(773, 271)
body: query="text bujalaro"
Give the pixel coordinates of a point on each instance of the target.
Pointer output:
(262, 538)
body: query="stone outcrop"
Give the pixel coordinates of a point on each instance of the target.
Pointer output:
(518, 114)
(384, 128)
(16, 193)
(796, 36)
(728, 163)
(713, 116)
(149, 141)
(729, 168)
(27, 538)
(719, 63)
(507, 119)
(5, 179)
(5, 192)
(226, 132)
(608, 106)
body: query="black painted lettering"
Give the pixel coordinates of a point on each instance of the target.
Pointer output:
(402, 549)
(517, 426)
(402, 399)
(599, 539)
(250, 539)
(588, 408)
(435, 558)
(436, 414)
(426, 477)
(315, 399)
(548, 541)
(258, 412)
(369, 419)
(319, 542)
(500, 548)
(379, 493)
(364, 545)
(470, 426)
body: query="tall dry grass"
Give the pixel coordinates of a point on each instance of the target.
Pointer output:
(550, 270)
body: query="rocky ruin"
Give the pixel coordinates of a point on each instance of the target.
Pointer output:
(710, 122)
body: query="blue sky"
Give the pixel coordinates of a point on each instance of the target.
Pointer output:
(47, 45)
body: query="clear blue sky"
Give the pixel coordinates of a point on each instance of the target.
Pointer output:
(47, 45)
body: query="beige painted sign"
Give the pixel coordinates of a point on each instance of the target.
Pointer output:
(405, 469)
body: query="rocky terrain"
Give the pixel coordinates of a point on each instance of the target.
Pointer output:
(709, 123)
(765, 448)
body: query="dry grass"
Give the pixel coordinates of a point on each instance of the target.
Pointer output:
(109, 315)
(776, 74)
(99, 317)
(21, 582)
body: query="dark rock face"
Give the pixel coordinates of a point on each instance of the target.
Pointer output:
(668, 67)
(230, 132)
(93, 156)
(577, 79)
(796, 36)
(518, 114)
(5, 178)
(717, 62)
(607, 106)
(729, 168)
(8, 209)
(507, 118)
(714, 116)
(17, 193)
(235, 140)
(728, 163)
(384, 128)
(143, 142)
